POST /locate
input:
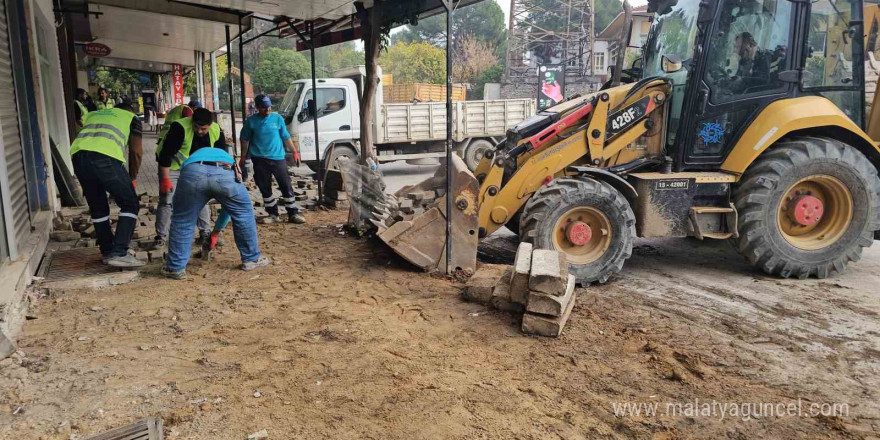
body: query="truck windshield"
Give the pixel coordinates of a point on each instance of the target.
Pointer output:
(288, 105)
(672, 34)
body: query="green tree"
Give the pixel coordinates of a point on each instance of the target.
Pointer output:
(484, 20)
(416, 62)
(119, 82)
(605, 12)
(490, 75)
(189, 82)
(279, 68)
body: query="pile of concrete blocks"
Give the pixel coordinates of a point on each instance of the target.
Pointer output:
(305, 190)
(538, 285)
(334, 190)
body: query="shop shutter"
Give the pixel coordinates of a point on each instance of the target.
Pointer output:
(12, 139)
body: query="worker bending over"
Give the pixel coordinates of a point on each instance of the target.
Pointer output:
(210, 173)
(263, 138)
(99, 164)
(185, 136)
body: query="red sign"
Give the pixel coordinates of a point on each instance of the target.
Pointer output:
(177, 83)
(97, 50)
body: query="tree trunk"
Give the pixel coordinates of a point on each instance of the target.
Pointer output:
(372, 45)
(622, 43)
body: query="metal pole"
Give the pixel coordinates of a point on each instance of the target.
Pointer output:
(215, 85)
(315, 117)
(448, 5)
(231, 92)
(200, 76)
(241, 69)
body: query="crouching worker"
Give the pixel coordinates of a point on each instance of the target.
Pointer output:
(210, 173)
(99, 164)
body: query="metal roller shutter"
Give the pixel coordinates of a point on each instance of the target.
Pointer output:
(12, 138)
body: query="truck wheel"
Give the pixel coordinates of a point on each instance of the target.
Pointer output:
(807, 207)
(588, 220)
(475, 151)
(340, 151)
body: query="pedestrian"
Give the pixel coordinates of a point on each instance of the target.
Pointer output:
(99, 164)
(185, 137)
(211, 173)
(104, 100)
(80, 109)
(163, 210)
(264, 138)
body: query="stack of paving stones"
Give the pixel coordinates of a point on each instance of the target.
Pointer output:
(412, 204)
(537, 285)
(305, 191)
(334, 191)
(73, 227)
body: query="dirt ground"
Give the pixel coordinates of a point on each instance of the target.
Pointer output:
(340, 339)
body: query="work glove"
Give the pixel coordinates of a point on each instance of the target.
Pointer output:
(134, 183)
(214, 237)
(165, 186)
(296, 158)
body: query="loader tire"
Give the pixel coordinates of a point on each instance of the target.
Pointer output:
(553, 212)
(776, 232)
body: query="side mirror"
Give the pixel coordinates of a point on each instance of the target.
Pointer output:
(670, 64)
(302, 116)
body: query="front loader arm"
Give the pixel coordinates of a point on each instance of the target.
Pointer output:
(547, 155)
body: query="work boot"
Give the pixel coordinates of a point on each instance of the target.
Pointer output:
(159, 243)
(296, 218)
(174, 274)
(251, 265)
(126, 260)
(269, 220)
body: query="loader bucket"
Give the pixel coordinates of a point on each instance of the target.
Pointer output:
(412, 221)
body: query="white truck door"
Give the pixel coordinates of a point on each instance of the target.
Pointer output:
(334, 120)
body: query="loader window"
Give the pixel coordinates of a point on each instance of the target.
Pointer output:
(829, 46)
(748, 49)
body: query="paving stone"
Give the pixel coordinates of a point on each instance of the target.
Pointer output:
(549, 272)
(64, 236)
(480, 287)
(519, 279)
(549, 304)
(501, 294)
(406, 203)
(541, 325)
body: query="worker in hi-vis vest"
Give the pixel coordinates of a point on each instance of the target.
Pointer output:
(80, 110)
(179, 112)
(98, 156)
(163, 210)
(104, 100)
(184, 137)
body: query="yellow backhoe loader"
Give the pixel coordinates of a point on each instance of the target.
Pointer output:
(744, 120)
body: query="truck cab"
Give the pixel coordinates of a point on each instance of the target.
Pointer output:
(337, 108)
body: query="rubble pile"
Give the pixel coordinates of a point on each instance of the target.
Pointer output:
(537, 285)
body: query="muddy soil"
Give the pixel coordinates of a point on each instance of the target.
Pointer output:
(340, 339)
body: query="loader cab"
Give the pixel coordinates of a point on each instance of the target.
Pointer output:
(728, 60)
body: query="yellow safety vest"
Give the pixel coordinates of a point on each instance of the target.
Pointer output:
(174, 115)
(105, 132)
(83, 112)
(82, 109)
(189, 131)
(102, 106)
